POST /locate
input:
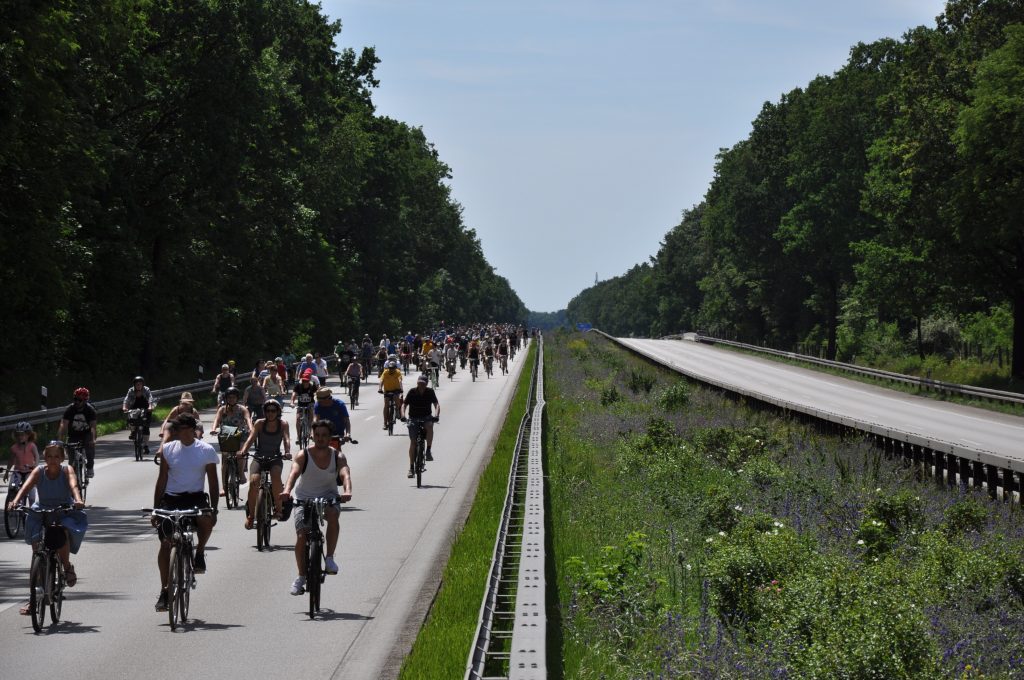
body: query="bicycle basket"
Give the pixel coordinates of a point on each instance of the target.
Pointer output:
(136, 417)
(55, 537)
(230, 439)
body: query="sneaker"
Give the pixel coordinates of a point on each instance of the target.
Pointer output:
(411, 473)
(330, 566)
(90, 473)
(199, 563)
(429, 456)
(299, 585)
(161, 602)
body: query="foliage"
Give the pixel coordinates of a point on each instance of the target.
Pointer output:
(861, 209)
(182, 180)
(674, 397)
(640, 381)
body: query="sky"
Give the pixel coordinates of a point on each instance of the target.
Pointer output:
(578, 131)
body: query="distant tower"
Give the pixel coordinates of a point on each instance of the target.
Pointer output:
(595, 278)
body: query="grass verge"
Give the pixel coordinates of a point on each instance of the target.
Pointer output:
(443, 644)
(696, 537)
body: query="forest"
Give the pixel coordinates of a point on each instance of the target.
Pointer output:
(875, 211)
(185, 182)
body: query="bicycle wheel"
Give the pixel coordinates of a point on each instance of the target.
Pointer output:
(420, 445)
(37, 592)
(313, 569)
(14, 520)
(137, 438)
(185, 592)
(56, 581)
(174, 586)
(355, 393)
(264, 516)
(83, 478)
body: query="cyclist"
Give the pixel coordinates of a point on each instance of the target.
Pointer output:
(434, 361)
(254, 397)
(488, 353)
(79, 425)
(307, 364)
(184, 464)
(502, 353)
(345, 357)
(405, 350)
(24, 454)
(333, 410)
(282, 372)
(380, 358)
(418, 402)
(473, 352)
(320, 369)
(303, 393)
(57, 485)
(222, 383)
(451, 356)
(268, 433)
(140, 397)
(232, 414)
(391, 383)
(273, 385)
(306, 482)
(366, 354)
(186, 405)
(353, 375)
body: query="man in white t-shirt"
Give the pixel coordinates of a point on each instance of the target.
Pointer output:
(186, 465)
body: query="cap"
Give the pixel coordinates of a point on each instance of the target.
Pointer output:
(324, 392)
(422, 379)
(307, 374)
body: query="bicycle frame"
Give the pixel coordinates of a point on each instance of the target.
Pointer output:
(46, 575)
(181, 580)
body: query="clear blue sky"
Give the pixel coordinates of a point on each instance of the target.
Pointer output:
(579, 130)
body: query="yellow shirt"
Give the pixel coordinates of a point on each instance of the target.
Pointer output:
(391, 380)
(427, 346)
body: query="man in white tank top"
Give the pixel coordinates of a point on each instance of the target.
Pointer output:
(315, 473)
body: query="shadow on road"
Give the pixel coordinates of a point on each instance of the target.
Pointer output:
(199, 624)
(66, 628)
(331, 615)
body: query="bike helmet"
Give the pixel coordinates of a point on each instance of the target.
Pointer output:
(140, 379)
(82, 393)
(232, 390)
(23, 426)
(272, 402)
(392, 364)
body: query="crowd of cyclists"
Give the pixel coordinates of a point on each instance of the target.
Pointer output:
(253, 421)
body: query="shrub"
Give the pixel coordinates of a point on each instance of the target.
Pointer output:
(964, 516)
(731, 448)
(675, 397)
(887, 518)
(609, 395)
(640, 381)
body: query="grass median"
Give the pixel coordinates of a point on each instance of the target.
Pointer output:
(443, 645)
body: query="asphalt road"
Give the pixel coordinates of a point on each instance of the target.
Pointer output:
(394, 541)
(972, 428)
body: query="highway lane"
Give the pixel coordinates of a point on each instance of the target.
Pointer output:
(972, 428)
(394, 540)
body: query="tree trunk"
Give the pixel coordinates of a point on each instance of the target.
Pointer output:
(920, 339)
(1017, 363)
(832, 321)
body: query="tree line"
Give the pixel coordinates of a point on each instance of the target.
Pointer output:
(188, 181)
(877, 207)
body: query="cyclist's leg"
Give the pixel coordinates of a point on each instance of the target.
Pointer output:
(277, 485)
(430, 433)
(90, 456)
(413, 432)
(333, 528)
(254, 489)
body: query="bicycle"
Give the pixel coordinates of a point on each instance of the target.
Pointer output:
(14, 520)
(136, 431)
(229, 439)
(264, 513)
(313, 511)
(489, 366)
(78, 460)
(419, 462)
(390, 411)
(46, 575)
(406, 362)
(305, 425)
(434, 372)
(474, 367)
(353, 390)
(182, 577)
(503, 362)
(451, 369)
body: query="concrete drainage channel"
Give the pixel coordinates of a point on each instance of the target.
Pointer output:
(512, 629)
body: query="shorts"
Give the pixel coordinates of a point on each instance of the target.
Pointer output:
(416, 423)
(299, 513)
(258, 465)
(184, 501)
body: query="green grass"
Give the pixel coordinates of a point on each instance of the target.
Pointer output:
(695, 537)
(443, 644)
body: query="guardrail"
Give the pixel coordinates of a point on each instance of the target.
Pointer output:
(511, 633)
(53, 415)
(1001, 396)
(947, 462)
